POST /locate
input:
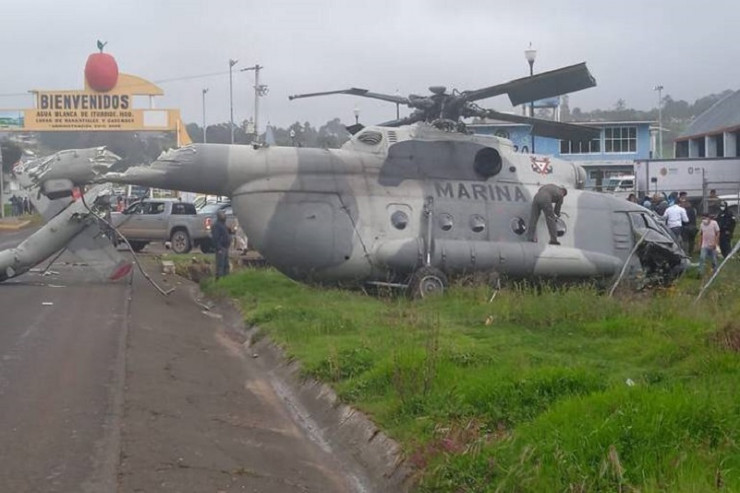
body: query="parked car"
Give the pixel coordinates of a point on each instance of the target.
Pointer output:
(162, 220)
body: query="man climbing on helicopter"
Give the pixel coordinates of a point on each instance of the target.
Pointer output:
(543, 201)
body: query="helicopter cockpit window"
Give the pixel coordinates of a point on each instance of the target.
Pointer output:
(487, 162)
(445, 222)
(642, 220)
(477, 223)
(399, 220)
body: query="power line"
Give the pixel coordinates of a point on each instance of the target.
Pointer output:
(160, 81)
(190, 77)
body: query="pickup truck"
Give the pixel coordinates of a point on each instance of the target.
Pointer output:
(162, 220)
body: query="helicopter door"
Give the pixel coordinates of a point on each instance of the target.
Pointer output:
(622, 232)
(309, 232)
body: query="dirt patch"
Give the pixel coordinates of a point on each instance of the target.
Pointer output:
(728, 337)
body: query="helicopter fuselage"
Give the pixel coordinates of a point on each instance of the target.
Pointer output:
(394, 200)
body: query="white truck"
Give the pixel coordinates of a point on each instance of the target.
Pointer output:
(620, 185)
(696, 176)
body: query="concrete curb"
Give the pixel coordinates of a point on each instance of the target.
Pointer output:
(342, 426)
(356, 440)
(13, 226)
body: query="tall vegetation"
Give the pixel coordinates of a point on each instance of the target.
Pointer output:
(546, 389)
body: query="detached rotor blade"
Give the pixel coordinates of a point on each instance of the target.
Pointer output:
(354, 91)
(540, 86)
(547, 128)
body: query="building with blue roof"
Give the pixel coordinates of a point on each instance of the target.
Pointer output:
(613, 153)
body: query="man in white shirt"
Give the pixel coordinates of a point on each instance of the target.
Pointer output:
(709, 230)
(675, 216)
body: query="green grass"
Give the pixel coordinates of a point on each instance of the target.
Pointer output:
(554, 390)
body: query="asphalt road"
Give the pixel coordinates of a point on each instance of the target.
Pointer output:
(113, 387)
(60, 342)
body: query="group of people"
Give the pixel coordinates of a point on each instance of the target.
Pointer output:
(715, 229)
(20, 206)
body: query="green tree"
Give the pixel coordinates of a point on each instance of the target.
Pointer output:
(10, 153)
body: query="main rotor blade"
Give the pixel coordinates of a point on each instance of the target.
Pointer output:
(414, 117)
(353, 129)
(540, 86)
(354, 91)
(547, 128)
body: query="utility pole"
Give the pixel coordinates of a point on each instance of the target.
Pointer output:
(259, 91)
(205, 90)
(231, 96)
(659, 88)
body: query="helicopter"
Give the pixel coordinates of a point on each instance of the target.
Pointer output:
(411, 202)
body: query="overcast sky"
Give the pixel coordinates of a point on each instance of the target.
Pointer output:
(630, 46)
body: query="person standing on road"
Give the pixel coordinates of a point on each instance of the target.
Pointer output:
(221, 241)
(543, 201)
(726, 222)
(709, 240)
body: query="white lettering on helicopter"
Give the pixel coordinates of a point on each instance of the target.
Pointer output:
(479, 191)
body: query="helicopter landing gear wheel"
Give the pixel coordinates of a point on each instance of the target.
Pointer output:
(426, 281)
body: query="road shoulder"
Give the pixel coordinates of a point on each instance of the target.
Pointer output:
(202, 414)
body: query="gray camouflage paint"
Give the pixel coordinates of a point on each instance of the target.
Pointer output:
(69, 223)
(325, 215)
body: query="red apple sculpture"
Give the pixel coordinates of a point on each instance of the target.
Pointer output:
(101, 70)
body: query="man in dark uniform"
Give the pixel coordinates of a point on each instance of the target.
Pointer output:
(543, 201)
(726, 222)
(221, 241)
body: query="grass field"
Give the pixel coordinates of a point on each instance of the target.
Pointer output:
(537, 390)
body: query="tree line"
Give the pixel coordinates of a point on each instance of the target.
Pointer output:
(331, 135)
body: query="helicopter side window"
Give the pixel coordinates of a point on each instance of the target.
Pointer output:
(399, 220)
(487, 162)
(445, 221)
(477, 223)
(518, 226)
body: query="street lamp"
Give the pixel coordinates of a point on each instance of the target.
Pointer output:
(659, 88)
(231, 96)
(205, 90)
(530, 54)
(357, 114)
